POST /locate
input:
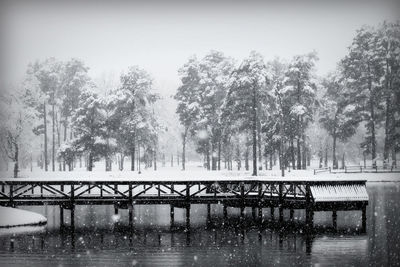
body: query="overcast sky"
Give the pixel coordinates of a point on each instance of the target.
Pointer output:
(160, 35)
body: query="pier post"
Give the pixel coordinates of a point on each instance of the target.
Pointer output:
(130, 206)
(253, 213)
(188, 206)
(62, 210)
(334, 219)
(73, 217)
(272, 213)
(11, 196)
(171, 215)
(115, 209)
(280, 203)
(309, 209)
(208, 213)
(291, 214)
(242, 202)
(225, 212)
(115, 206)
(61, 216)
(364, 219)
(188, 216)
(260, 215)
(130, 214)
(72, 207)
(241, 213)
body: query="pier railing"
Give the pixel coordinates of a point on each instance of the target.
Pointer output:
(311, 195)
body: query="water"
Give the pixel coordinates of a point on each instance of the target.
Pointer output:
(101, 239)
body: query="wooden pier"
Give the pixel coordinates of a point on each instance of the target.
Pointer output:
(258, 192)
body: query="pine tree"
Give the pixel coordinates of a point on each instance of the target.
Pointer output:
(131, 109)
(338, 112)
(187, 96)
(387, 39)
(247, 96)
(299, 91)
(362, 70)
(89, 123)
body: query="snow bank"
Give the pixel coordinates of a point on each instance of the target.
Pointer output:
(22, 230)
(10, 217)
(195, 174)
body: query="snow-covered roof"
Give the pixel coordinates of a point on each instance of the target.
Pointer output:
(350, 192)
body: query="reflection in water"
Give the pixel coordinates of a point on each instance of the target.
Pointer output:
(152, 241)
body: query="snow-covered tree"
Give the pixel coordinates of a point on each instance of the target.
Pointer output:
(338, 112)
(204, 87)
(362, 69)
(215, 70)
(387, 39)
(247, 97)
(89, 124)
(61, 83)
(132, 113)
(47, 73)
(277, 126)
(18, 119)
(187, 96)
(299, 91)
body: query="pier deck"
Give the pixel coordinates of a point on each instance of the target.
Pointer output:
(256, 192)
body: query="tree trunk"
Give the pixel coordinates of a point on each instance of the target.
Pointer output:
(213, 158)
(45, 138)
(343, 162)
(280, 158)
(219, 155)
(133, 151)
(254, 125)
(155, 158)
(292, 154)
(246, 159)
(304, 148)
(298, 154)
(65, 137)
(259, 145)
(53, 149)
(90, 163)
(184, 150)
(326, 156)
(373, 138)
(59, 143)
(365, 160)
(16, 156)
(321, 158)
(122, 162)
(372, 113)
(271, 159)
(335, 164)
(388, 131)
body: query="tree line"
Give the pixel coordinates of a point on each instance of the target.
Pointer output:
(85, 125)
(269, 106)
(251, 110)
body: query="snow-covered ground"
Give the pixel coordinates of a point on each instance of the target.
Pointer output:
(194, 172)
(10, 217)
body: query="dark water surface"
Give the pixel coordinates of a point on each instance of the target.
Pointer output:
(98, 240)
